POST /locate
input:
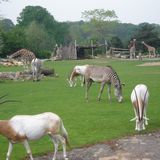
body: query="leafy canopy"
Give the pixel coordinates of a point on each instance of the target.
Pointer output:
(99, 15)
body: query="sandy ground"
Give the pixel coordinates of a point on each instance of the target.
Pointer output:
(138, 147)
(150, 64)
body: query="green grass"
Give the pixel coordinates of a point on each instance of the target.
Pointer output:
(86, 122)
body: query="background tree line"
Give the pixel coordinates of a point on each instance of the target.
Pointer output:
(38, 31)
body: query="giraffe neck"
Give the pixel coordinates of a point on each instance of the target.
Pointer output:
(146, 45)
(16, 54)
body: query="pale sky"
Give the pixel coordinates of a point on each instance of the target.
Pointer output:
(128, 11)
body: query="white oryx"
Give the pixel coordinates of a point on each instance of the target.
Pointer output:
(36, 65)
(139, 99)
(78, 70)
(22, 128)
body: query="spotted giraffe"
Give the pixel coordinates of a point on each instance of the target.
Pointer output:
(151, 50)
(23, 55)
(132, 48)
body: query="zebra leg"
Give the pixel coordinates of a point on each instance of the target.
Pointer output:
(101, 90)
(88, 85)
(109, 92)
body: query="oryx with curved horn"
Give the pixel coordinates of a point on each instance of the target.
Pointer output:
(139, 99)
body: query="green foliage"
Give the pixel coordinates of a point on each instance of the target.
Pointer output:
(148, 33)
(125, 32)
(42, 31)
(62, 36)
(13, 40)
(86, 122)
(37, 39)
(99, 22)
(38, 14)
(116, 42)
(1, 43)
(99, 15)
(6, 25)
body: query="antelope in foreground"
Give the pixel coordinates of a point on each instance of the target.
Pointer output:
(103, 75)
(22, 128)
(139, 99)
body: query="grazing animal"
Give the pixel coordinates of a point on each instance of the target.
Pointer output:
(139, 99)
(23, 55)
(78, 70)
(36, 65)
(103, 75)
(23, 128)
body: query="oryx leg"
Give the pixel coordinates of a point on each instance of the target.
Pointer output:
(10, 148)
(135, 119)
(101, 90)
(55, 141)
(63, 142)
(26, 145)
(145, 117)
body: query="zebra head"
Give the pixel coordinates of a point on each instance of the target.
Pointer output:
(118, 92)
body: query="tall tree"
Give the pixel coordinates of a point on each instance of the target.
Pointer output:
(100, 19)
(38, 14)
(37, 39)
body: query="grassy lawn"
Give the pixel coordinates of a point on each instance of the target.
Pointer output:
(86, 122)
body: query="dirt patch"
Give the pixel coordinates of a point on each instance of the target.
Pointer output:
(150, 64)
(138, 147)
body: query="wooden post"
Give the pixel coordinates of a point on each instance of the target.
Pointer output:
(92, 48)
(75, 48)
(106, 45)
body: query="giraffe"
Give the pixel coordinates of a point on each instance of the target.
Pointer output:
(132, 48)
(23, 55)
(151, 49)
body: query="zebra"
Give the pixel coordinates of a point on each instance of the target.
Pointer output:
(36, 66)
(104, 75)
(23, 55)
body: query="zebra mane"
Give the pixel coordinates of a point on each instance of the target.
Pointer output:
(115, 73)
